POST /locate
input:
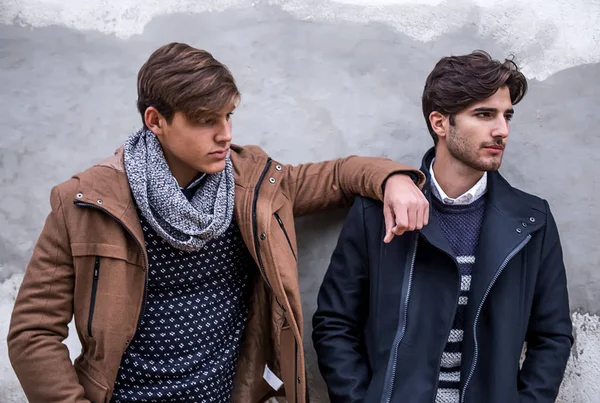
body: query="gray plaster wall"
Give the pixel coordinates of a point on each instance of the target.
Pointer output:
(320, 80)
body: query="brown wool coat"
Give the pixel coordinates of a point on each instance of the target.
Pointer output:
(93, 217)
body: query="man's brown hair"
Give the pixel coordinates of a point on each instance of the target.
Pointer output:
(456, 82)
(180, 78)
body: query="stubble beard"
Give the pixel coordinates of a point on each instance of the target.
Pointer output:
(468, 154)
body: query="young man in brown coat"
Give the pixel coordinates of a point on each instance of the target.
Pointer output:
(177, 256)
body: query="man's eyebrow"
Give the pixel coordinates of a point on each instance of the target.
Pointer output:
(229, 110)
(510, 111)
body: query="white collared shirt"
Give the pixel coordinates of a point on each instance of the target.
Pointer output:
(468, 197)
(194, 182)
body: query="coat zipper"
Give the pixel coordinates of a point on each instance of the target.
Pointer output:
(93, 298)
(145, 264)
(494, 279)
(403, 330)
(280, 221)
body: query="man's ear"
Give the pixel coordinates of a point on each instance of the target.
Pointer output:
(154, 120)
(440, 123)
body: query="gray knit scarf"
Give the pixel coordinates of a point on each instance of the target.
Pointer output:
(186, 225)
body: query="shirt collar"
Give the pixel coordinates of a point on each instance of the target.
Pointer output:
(194, 183)
(468, 197)
(191, 189)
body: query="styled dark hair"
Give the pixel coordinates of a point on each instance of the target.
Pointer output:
(456, 82)
(180, 78)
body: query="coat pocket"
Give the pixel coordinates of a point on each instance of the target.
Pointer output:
(94, 391)
(93, 296)
(287, 237)
(109, 288)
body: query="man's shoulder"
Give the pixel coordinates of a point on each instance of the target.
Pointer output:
(370, 209)
(526, 206)
(368, 203)
(522, 197)
(250, 151)
(104, 170)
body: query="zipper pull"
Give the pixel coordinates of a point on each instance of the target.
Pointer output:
(96, 267)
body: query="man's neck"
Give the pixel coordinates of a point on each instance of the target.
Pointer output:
(183, 174)
(454, 177)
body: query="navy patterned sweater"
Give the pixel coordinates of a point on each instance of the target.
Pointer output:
(187, 343)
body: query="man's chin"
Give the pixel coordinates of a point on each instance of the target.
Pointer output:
(486, 165)
(213, 168)
(490, 166)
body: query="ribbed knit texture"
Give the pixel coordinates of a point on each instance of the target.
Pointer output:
(461, 224)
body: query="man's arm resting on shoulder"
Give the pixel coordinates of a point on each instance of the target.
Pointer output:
(549, 335)
(339, 320)
(318, 186)
(40, 318)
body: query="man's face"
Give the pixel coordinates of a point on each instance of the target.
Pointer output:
(201, 146)
(480, 133)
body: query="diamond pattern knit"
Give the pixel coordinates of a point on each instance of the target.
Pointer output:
(187, 343)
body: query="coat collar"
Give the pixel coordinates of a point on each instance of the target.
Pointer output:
(511, 217)
(502, 198)
(105, 185)
(108, 179)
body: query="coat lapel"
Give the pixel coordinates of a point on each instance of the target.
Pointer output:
(433, 232)
(506, 226)
(507, 222)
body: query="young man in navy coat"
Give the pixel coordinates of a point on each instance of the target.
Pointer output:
(441, 314)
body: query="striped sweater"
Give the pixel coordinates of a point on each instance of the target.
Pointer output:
(461, 224)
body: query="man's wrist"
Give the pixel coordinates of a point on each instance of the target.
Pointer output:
(412, 175)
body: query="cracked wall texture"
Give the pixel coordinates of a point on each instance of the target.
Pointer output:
(320, 79)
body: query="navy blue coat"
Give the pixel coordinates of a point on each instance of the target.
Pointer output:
(385, 310)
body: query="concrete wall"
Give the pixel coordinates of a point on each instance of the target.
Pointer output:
(320, 79)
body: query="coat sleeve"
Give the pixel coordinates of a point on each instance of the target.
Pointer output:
(41, 314)
(318, 186)
(339, 320)
(549, 334)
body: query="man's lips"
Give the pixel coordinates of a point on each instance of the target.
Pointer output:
(494, 147)
(220, 153)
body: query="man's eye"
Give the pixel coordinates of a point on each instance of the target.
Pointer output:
(508, 118)
(229, 115)
(483, 115)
